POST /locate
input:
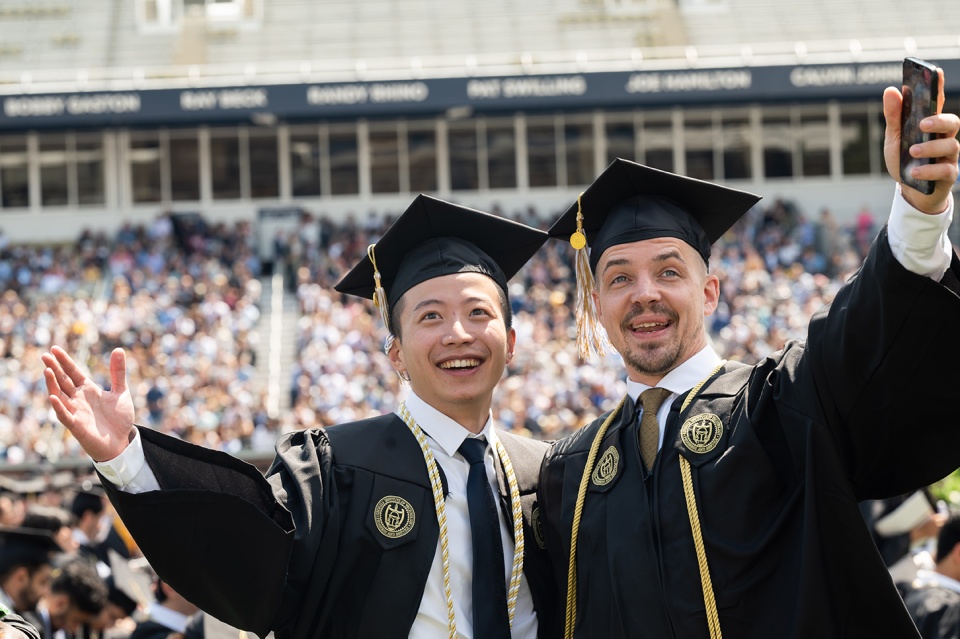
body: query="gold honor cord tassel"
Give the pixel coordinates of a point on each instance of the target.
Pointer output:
(590, 334)
(380, 301)
(438, 502)
(706, 583)
(571, 612)
(379, 295)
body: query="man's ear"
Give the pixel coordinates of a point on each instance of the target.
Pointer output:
(395, 355)
(711, 294)
(596, 303)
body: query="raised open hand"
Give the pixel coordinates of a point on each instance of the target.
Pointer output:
(101, 421)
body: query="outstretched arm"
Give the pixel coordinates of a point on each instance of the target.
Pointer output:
(101, 420)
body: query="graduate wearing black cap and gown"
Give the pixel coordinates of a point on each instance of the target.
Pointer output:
(342, 538)
(745, 524)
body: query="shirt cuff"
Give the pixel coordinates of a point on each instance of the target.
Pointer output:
(129, 470)
(919, 241)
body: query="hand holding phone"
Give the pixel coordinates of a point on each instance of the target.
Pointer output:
(920, 90)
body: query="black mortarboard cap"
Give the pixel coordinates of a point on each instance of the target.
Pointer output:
(89, 497)
(32, 486)
(630, 202)
(128, 587)
(26, 546)
(434, 238)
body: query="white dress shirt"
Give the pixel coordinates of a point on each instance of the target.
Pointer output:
(132, 474)
(918, 241)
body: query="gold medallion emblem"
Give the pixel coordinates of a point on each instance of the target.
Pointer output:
(607, 467)
(538, 528)
(578, 240)
(394, 516)
(701, 433)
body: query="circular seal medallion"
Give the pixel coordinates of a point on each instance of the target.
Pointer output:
(538, 528)
(701, 433)
(394, 516)
(607, 467)
(578, 240)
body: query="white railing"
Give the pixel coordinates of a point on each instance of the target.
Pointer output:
(546, 62)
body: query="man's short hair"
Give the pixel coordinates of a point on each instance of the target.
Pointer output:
(86, 501)
(50, 518)
(79, 581)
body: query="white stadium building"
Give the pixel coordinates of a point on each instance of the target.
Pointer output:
(116, 111)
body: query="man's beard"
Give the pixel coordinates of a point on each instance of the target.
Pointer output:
(650, 359)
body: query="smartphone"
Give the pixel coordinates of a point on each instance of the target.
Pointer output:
(920, 89)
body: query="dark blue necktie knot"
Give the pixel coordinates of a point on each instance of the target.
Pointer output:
(473, 450)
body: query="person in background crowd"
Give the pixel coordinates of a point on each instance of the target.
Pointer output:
(26, 558)
(169, 613)
(77, 595)
(934, 597)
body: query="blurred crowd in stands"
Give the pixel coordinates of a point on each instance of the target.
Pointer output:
(184, 298)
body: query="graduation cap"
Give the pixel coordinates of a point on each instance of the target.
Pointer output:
(24, 487)
(89, 497)
(914, 510)
(630, 202)
(433, 238)
(21, 546)
(128, 586)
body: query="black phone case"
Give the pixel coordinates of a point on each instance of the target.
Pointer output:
(920, 89)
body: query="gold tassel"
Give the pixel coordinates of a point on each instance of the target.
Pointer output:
(380, 301)
(590, 333)
(379, 295)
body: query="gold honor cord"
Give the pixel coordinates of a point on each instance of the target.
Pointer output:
(713, 617)
(571, 618)
(437, 487)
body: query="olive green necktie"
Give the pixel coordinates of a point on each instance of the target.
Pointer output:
(650, 399)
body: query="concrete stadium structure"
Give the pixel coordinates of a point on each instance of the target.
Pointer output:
(118, 110)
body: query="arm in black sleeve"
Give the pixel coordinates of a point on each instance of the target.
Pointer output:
(218, 531)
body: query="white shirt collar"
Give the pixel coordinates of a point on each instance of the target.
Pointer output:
(446, 432)
(683, 377)
(932, 578)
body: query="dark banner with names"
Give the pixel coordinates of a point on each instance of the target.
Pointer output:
(620, 89)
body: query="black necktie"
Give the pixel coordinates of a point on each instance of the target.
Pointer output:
(490, 618)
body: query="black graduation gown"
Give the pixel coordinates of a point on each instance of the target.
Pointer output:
(862, 410)
(936, 611)
(305, 552)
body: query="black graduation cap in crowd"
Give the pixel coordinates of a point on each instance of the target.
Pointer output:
(128, 587)
(630, 202)
(23, 487)
(434, 238)
(90, 496)
(26, 546)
